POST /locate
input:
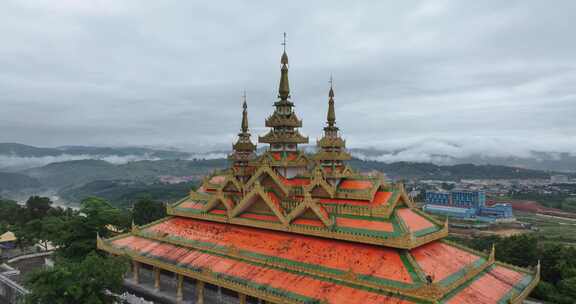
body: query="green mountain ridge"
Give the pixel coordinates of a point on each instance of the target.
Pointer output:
(16, 182)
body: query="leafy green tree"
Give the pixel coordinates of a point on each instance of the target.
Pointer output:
(11, 213)
(76, 235)
(38, 207)
(146, 210)
(521, 250)
(568, 287)
(84, 282)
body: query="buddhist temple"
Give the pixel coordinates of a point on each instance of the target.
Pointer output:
(284, 226)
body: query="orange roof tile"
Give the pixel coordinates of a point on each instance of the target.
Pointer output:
(261, 217)
(364, 224)
(352, 184)
(218, 179)
(381, 198)
(295, 181)
(217, 211)
(363, 258)
(344, 201)
(308, 222)
(441, 260)
(191, 205)
(489, 288)
(413, 220)
(275, 278)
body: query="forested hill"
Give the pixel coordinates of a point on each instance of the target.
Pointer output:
(17, 182)
(410, 170)
(76, 173)
(79, 172)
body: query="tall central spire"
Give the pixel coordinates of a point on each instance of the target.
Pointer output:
(284, 135)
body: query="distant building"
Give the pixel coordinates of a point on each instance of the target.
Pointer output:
(500, 210)
(559, 178)
(465, 204)
(450, 211)
(8, 240)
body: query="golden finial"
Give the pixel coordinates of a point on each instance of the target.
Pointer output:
(284, 59)
(331, 82)
(284, 42)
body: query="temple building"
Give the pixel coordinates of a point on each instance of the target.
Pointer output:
(284, 226)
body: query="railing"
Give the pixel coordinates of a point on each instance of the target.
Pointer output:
(11, 291)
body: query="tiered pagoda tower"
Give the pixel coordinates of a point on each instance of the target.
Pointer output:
(244, 151)
(284, 137)
(283, 227)
(332, 152)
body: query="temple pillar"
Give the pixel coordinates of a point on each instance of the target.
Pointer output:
(136, 271)
(179, 291)
(199, 292)
(156, 278)
(242, 298)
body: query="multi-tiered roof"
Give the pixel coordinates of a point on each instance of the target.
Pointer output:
(291, 228)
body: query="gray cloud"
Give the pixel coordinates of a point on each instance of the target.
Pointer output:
(486, 76)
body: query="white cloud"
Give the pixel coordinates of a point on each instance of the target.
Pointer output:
(135, 72)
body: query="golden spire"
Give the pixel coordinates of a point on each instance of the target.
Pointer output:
(331, 117)
(244, 126)
(284, 88)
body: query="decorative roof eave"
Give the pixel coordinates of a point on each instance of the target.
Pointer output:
(301, 160)
(324, 155)
(230, 179)
(291, 138)
(331, 142)
(258, 191)
(318, 180)
(244, 146)
(246, 157)
(219, 198)
(276, 120)
(309, 203)
(406, 241)
(266, 169)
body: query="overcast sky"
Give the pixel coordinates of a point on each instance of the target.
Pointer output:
(489, 76)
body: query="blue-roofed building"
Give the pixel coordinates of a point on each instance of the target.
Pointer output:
(500, 210)
(438, 198)
(450, 211)
(468, 199)
(465, 204)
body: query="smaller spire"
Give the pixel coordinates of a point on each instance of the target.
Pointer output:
(244, 127)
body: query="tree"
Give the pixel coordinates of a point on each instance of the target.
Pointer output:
(38, 207)
(146, 210)
(10, 213)
(76, 235)
(521, 250)
(87, 281)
